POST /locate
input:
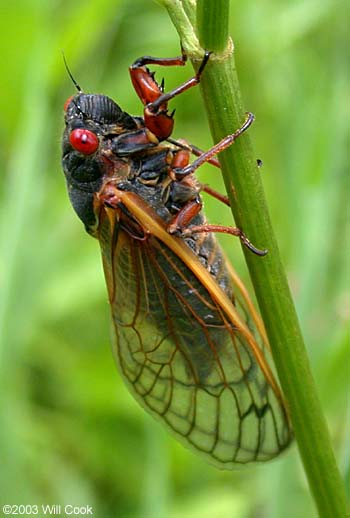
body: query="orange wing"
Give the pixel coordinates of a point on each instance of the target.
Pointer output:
(184, 347)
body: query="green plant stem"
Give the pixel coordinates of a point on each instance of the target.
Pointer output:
(223, 102)
(210, 28)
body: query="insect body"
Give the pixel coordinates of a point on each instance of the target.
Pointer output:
(187, 341)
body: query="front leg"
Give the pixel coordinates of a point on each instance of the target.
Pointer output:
(157, 118)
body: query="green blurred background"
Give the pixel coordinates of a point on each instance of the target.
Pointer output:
(69, 431)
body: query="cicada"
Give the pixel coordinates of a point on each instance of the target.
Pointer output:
(187, 339)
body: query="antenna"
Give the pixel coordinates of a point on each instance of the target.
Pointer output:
(70, 74)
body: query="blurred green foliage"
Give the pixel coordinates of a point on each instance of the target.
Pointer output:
(69, 431)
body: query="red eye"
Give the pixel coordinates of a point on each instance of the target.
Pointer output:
(66, 104)
(84, 141)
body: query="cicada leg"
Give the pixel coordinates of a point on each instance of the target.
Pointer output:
(180, 225)
(193, 149)
(218, 148)
(198, 152)
(215, 194)
(181, 160)
(156, 116)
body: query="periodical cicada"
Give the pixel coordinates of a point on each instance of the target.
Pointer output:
(188, 341)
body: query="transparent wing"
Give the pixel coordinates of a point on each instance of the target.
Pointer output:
(184, 360)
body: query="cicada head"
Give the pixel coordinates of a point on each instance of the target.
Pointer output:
(92, 121)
